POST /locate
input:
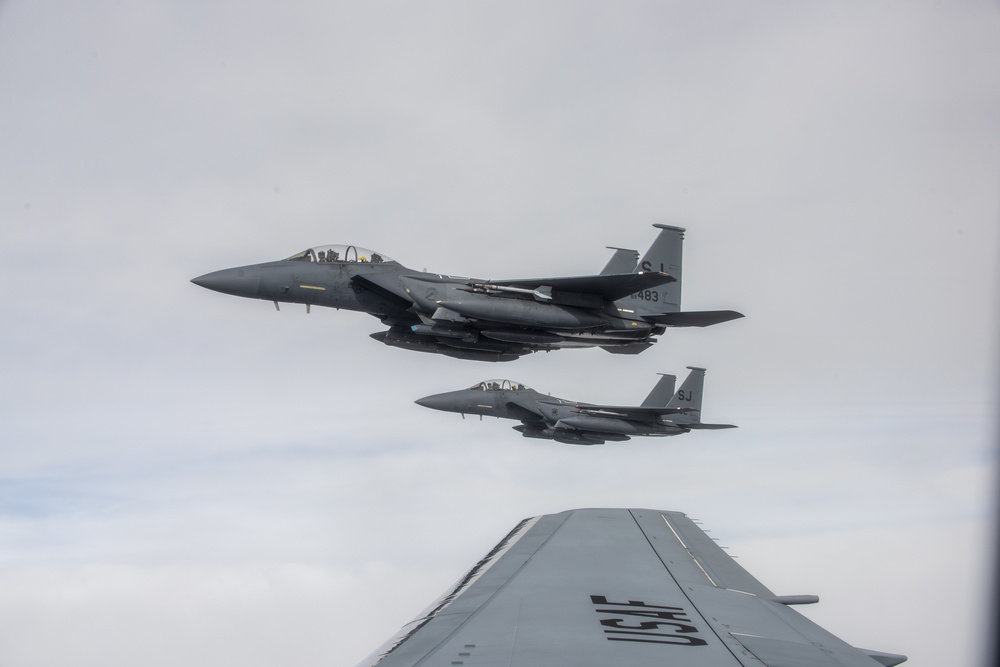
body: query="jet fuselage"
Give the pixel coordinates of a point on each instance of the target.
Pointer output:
(490, 320)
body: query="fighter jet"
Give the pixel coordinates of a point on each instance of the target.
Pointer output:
(621, 310)
(629, 587)
(548, 417)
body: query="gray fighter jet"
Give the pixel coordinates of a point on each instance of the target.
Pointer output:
(620, 310)
(623, 587)
(664, 412)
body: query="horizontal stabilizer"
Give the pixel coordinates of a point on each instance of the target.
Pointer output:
(694, 318)
(708, 427)
(609, 287)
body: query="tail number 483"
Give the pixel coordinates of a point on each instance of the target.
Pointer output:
(647, 295)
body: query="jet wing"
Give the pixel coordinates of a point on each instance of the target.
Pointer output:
(630, 411)
(646, 413)
(599, 587)
(608, 287)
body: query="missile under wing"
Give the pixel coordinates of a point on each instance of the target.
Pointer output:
(623, 587)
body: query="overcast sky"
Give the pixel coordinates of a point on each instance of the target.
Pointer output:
(192, 477)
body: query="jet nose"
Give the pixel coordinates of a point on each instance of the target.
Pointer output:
(241, 281)
(437, 402)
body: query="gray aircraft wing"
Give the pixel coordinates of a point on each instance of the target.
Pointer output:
(623, 587)
(631, 411)
(694, 318)
(646, 413)
(608, 287)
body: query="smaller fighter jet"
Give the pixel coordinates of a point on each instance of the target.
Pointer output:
(664, 412)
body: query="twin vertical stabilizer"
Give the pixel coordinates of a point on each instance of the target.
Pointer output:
(662, 304)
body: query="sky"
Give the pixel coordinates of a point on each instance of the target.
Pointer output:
(189, 476)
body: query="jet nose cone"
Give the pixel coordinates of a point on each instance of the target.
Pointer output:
(241, 281)
(437, 402)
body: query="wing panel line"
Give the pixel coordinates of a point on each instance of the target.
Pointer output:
(697, 609)
(693, 558)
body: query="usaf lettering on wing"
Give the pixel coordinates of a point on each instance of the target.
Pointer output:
(673, 625)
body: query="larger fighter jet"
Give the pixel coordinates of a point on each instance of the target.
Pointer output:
(620, 310)
(622, 587)
(664, 412)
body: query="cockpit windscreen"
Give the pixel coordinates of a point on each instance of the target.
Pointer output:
(339, 253)
(499, 385)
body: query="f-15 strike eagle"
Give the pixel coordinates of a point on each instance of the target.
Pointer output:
(664, 412)
(624, 587)
(620, 310)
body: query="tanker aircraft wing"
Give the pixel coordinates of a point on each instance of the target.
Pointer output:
(627, 587)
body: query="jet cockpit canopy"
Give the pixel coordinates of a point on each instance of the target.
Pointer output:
(339, 253)
(500, 385)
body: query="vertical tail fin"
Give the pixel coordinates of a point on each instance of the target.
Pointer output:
(689, 395)
(662, 392)
(623, 261)
(662, 305)
(666, 256)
